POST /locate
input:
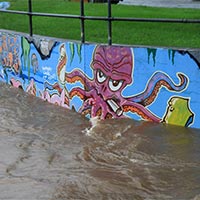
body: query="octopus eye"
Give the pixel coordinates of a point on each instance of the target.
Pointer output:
(101, 77)
(115, 84)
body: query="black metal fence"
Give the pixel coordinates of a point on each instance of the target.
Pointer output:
(109, 18)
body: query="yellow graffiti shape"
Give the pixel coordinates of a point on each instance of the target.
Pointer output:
(178, 112)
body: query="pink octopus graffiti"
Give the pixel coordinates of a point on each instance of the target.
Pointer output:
(113, 71)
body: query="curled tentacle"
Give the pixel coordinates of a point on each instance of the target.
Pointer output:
(78, 75)
(158, 80)
(143, 112)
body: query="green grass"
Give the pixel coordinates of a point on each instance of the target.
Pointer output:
(131, 33)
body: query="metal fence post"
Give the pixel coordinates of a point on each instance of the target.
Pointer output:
(82, 22)
(109, 23)
(30, 17)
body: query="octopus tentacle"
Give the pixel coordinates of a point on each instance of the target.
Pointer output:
(141, 111)
(158, 80)
(86, 111)
(77, 92)
(96, 111)
(78, 75)
(82, 93)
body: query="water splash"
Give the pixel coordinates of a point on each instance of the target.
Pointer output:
(94, 121)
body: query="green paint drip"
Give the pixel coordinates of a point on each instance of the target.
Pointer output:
(71, 46)
(26, 54)
(79, 47)
(25, 51)
(152, 52)
(171, 55)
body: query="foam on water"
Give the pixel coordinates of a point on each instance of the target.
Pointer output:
(94, 121)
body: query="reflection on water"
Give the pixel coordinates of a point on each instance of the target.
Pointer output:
(50, 153)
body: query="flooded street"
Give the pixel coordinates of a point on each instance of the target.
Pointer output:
(51, 153)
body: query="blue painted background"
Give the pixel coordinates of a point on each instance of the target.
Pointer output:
(32, 65)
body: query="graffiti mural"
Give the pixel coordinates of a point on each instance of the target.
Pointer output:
(152, 84)
(178, 112)
(112, 72)
(9, 55)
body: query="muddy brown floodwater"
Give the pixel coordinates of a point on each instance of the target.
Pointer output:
(51, 153)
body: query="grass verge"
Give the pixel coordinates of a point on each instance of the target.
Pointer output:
(131, 33)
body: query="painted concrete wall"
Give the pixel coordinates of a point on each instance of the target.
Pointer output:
(153, 84)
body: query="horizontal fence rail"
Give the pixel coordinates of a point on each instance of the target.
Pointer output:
(82, 19)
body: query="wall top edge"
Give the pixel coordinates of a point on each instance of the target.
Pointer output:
(88, 43)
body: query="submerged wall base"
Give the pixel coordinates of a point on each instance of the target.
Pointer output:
(143, 83)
